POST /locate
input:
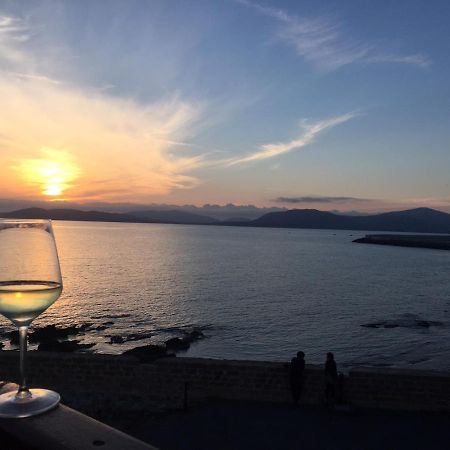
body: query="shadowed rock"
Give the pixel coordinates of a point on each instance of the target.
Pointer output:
(65, 346)
(131, 337)
(49, 338)
(116, 340)
(138, 336)
(177, 344)
(147, 353)
(13, 337)
(52, 332)
(196, 334)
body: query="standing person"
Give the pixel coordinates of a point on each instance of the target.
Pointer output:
(296, 370)
(331, 378)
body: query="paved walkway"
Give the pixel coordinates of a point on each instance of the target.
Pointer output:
(236, 426)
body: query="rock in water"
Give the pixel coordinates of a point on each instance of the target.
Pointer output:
(147, 353)
(196, 334)
(52, 332)
(177, 344)
(65, 346)
(13, 337)
(116, 340)
(138, 336)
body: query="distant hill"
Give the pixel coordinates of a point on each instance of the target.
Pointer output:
(237, 219)
(173, 216)
(419, 220)
(69, 214)
(180, 217)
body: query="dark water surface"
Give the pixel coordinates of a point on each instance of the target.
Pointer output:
(259, 293)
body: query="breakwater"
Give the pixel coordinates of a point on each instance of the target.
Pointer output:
(440, 242)
(108, 385)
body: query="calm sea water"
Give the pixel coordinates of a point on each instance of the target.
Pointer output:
(256, 293)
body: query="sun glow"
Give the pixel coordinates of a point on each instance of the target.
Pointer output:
(52, 175)
(53, 189)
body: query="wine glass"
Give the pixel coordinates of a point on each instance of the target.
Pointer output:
(30, 281)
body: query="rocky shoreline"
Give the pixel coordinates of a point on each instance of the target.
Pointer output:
(53, 338)
(440, 242)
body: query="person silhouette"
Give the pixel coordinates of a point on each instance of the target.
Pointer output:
(331, 378)
(296, 371)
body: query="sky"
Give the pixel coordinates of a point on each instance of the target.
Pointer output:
(335, 105)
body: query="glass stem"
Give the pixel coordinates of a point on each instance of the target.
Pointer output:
(23, 391)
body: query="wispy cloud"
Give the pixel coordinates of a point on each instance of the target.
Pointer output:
(319, 199)
(13, 32)
(322, 42)
(417, 59)
(36, 77)
(309, 132)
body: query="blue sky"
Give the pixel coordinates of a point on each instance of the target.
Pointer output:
(227, 101)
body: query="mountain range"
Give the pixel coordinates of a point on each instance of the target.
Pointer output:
(227, 211)
(170, 216)
(418, 220)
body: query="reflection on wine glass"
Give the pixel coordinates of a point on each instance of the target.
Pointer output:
(30, 281)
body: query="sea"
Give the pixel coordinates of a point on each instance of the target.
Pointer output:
(255, 293)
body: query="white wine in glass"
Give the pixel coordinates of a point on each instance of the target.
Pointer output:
(30, 281)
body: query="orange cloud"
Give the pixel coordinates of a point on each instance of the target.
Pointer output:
(57, 140)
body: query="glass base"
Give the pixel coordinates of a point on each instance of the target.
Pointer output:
(38, 402)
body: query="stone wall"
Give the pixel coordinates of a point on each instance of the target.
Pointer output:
(105, 385)
(413, 390)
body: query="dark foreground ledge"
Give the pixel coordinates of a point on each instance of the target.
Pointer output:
(63, 428)
(441, 242)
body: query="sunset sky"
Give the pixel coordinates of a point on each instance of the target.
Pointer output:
(325, 104)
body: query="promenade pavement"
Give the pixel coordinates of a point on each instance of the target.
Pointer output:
(236, 426)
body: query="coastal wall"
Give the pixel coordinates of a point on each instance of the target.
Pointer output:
(108, 385)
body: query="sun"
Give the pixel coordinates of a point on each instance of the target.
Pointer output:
(53, 190)
(52, 175)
